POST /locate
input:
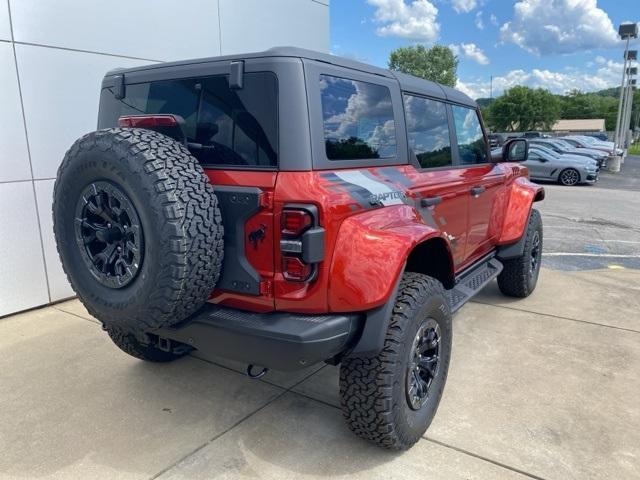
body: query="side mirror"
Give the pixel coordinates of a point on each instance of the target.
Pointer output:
(514, 150)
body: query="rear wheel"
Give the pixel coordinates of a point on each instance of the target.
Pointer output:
(569, 177)
(391, 399)
(520, 275)
(137, 227)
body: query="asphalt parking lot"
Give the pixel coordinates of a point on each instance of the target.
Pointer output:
(591, 227)
(545, 387)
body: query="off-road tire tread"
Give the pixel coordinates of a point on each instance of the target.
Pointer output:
(366, 384)
(192, 232)
(513, 281)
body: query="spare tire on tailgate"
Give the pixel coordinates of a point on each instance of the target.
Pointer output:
(137, 227)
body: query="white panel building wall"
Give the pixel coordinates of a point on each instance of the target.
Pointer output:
(53, 55)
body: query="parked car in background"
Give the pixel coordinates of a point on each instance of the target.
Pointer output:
(569, 170)
(598, 135)
(580, 141)
(530, 135)
(496, 140)
(594, 141)
(558, 145)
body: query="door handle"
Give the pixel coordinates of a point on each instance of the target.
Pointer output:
(475, 191)
(430, 201)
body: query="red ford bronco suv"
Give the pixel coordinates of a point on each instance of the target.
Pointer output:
(289, 207)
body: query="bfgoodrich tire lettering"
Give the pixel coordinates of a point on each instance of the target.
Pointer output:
(373, 391)
(520, 275)
(178, 215)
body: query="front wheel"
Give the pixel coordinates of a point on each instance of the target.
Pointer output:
(391, 399)
(520, 275)
(569, 177)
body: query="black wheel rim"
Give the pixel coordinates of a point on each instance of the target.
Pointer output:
(424, 363)
(535, 253)
(109, 234)
(570, 177)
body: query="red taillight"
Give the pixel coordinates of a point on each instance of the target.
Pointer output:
(295, 222)
(147, 121)
(295, 270)
(301, 242)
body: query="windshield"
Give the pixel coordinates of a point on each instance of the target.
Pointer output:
(547, 151)
(562, 144)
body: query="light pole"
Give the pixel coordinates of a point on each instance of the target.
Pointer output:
(628, 104)
(627, 31)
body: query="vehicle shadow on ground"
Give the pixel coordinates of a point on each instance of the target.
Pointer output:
(292, 437)
(93, 409)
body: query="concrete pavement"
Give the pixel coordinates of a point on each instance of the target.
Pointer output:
(546, 387)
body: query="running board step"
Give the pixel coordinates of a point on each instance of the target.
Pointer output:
(471, 282)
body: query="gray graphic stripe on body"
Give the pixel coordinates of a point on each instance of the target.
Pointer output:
(358, 193)
(397, 191)
(393, 174)
(378, 189)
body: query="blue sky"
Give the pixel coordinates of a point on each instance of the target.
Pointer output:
(556, 44)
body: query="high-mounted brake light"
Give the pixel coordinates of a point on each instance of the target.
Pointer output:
(147, 121)
(295, 222)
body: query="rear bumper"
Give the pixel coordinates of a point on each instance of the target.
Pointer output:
(278, 340)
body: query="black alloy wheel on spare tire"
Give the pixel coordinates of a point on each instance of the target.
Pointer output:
(137, 227)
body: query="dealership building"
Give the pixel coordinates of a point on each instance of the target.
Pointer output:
(53, 55)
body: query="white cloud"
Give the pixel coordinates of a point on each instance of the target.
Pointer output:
(606, 76)
(470, 51)
(416, 20)
(494, 20)
(559, 26)
(463, 6)
(478, 20)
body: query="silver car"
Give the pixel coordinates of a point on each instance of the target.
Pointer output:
(579, 141)
(560, 146)
(545, 164)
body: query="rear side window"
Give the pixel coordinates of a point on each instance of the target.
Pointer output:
(428, 131)
(357, 118)
(223, 126)
(471, 146)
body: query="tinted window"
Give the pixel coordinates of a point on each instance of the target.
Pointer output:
(358, 119)
(223, 126)
(428, 131)
(471, 145)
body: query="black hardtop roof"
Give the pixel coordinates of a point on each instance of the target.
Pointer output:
(407, 83)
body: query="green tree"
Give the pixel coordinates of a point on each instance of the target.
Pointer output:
(577, 104)
(522, 108)
(437, 63)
